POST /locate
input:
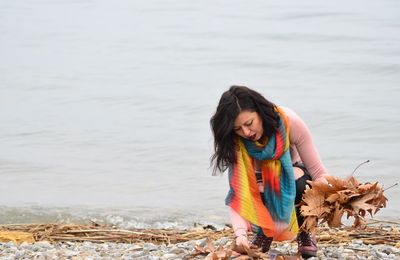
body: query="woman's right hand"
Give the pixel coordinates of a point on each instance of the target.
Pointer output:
(242, 244)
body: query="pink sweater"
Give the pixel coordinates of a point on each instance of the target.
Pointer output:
(302, 149)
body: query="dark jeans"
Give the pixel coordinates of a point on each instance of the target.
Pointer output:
(301, 184)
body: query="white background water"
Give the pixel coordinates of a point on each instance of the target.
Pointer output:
(105, 105)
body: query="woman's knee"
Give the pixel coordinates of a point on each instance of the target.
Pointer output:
(298, 172)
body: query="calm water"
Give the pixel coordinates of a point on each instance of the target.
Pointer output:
(105, 106)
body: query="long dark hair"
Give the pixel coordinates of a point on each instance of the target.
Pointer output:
(232, 102)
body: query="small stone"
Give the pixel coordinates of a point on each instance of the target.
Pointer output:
(337, 253)
(223, 241)
(40, 256)
(169, 256)
(202, 242)
(149, 247)
(357, 242)
(134, 248)
(136, 254)
(176, 250)
(70, 243)
(115, 255)
(19, 254)
(105, 247)
(70, 253)
(43, 244)
(24, 245)
(9, 244)
(390, 249)
(348, 251)
(34, 248)
(381, 255)
(87, 244)
(152, 257)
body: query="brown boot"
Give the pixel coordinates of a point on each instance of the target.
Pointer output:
(307, 246)
(262, 242)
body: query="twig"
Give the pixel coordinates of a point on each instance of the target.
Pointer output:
(367, 161)
(391, 186)
(374, 221)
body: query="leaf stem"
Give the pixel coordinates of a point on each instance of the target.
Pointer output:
(358, 166)
(391, 186)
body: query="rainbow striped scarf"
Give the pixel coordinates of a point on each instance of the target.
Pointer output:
(273, 213)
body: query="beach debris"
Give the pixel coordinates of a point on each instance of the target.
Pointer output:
(17, 237)
(212, 252)
(249, 253)
(200, 243)
(385, 232)
(328, 202)
(55, 232)
(221, 253)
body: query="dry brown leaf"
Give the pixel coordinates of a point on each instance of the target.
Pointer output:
(345, 195)
(367, 187)
(335, 183)
(287, 257)
(379, 200)
(219, 254)
(329, 201)
(336, 219)
(211, 256)
(321, 186)
(310, 223)
(360, 204)
(200, 249)
(250, 252)
(352, 182)
(238, 248)
(243, 257)
(350, 213)
(359, 221)
(314, 201)
(210, 245)
(222, 253)
(312, 210)
(332, 198)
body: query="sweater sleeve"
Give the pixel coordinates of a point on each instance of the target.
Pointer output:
(301, 143)
(239, 224)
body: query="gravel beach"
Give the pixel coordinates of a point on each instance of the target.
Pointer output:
(88, 250)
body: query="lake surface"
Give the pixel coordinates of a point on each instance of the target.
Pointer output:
(105, 106)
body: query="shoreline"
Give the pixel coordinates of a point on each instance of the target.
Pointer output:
(94, 241)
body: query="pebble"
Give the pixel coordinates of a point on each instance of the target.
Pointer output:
(169, 256)
(43, 244)
(107, 251)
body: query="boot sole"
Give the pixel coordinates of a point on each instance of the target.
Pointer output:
(308, 255)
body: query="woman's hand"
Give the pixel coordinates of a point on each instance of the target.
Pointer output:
(242, 241)
(322, 179)
(242, 244)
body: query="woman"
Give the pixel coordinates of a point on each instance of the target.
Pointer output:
(270, 155)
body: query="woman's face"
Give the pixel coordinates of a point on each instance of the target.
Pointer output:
(249, 125)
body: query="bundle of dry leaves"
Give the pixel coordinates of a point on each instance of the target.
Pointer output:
(238, 252)
(327, 202)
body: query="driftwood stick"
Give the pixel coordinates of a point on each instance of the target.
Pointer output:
(99, 234)
(375, 221)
